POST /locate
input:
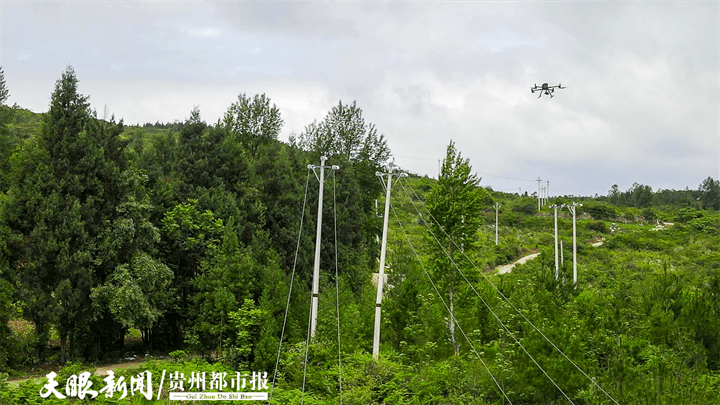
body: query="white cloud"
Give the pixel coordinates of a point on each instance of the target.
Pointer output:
(640, 103)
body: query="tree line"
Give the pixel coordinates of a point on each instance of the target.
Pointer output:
(185, 233)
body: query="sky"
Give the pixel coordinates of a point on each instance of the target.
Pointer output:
(641, 105)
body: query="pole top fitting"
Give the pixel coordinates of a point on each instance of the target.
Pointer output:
(335, 167)
(323, 158)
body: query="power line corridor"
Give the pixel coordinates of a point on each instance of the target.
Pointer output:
(452, 318)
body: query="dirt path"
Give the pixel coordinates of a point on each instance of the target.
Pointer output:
(100, 371)
(507, 268)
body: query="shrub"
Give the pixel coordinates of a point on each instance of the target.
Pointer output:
(598, 226)
(687, 214)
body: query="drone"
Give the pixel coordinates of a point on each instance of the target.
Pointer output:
(547, 89)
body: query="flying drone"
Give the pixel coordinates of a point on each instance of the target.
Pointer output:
(547, 89)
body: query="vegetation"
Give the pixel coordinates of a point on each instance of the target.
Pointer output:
(197, 237)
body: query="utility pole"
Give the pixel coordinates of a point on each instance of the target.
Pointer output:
(497, 210)
(562, 254)
(316, 267)
(538, 180)
(572, 209)
(381, 272)
(557, 268)
(547, 191)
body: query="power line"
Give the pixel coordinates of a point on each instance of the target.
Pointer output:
(504, 178)
(337, 291)
(452, 316)
(481, 298)
(513, 306)
(292, 279)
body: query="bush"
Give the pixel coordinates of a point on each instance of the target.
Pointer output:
(687, 214)
(526, 205)
(599, 210)
(598, 226)
(704, 224)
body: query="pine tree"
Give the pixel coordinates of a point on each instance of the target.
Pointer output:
(65, 197)
(456, 203)
(4, 94)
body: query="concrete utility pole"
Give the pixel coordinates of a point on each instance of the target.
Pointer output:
(316, 267)
(497, 210)
(572, 209)
(557, 268)
(547, 191)
(539, 180)
(381, 272)
(562, 253)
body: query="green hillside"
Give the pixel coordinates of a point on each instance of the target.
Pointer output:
(193, 244)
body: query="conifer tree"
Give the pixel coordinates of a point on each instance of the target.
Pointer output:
(456, 203)
(4, 94)
(66, 195)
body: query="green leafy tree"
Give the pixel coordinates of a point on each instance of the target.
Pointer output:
(614, 194)
(223, 281)
(348, 141)
(710, 196)
(253, 121)
(640, 195)
(189, 236)
(137, 294)
(344, 132)
(456, 203)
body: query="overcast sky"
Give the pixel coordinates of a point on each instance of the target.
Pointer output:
(641, 103)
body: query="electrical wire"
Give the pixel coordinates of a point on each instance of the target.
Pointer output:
(307, 347)
(337, 292)
(485, 303)
(292, 279)
(510, 303)
(452, 316)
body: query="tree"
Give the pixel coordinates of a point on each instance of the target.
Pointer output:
(641, 195)
(344, 132)
(66, 193)
(137, 294)
(348, 141)
(224, 281)
(6, 143)
(456, 203)
(614, 194)
(189, 237)
(710, 190)
(253, 122)
(4, 93)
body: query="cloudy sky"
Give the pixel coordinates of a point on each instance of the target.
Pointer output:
(641, 103)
